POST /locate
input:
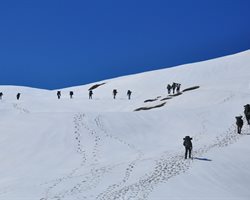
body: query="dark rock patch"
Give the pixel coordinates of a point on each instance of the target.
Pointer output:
(150, 100)
(191, 88)
(167, 98)
(149, 108)
(96, 86)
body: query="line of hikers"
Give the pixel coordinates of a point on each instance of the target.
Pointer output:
(17, 96)
(173, 87)
(239, 120)
(187, 143)
(71, 93)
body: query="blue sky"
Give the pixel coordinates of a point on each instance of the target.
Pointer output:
(55, 44)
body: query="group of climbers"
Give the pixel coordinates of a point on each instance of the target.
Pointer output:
(115, 92)
(239, 123)
(17, 96)
(175, 87)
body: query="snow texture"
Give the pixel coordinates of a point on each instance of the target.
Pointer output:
(102, 149)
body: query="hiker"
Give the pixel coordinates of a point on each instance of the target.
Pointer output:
(18, 96)
(71, 93)
(178, 87)
(90, 94)
(188, 146)
(129, 94)
(247, 113)
(58, 94)
(1, 95)
(239, 123)
(169, 87)
(173, 87)
(114, 93)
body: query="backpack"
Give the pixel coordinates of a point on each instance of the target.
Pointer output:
(187, 142)
(247, 110)
(239, 121)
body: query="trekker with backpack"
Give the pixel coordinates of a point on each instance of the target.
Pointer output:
(178, 87)
(239, 123)
(169, 87)
(71, 93)
(58, 94)
(174, 87)
(114, 93)
(247, 113)
(1, 95)
(188, 146)
(90, 94)
(18, 96)
(129, 94)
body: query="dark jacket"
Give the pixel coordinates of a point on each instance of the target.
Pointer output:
(187, 142)
(239, 121)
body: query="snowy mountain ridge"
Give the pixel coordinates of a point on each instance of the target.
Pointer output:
(71, 149)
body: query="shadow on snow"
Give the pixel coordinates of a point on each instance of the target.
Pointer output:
(203, 159)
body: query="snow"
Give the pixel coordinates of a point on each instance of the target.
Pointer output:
(72, 149)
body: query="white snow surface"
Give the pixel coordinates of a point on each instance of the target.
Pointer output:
(101, 149)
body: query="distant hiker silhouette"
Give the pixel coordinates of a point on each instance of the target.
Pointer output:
(239, 123)
(71, 93)
(114, 93)
(90, 94)
(188, 146)
(178, 87)
(1, 95)
(169, 87)
(247, 113)
(129, 94)
(58, 94)
(18, 96)
(174, 87)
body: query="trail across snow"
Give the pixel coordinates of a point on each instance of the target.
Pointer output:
(101, 149)
(167, 165)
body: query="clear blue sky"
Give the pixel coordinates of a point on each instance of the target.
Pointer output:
(56, 43)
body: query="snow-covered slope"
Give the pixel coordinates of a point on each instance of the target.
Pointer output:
(72, 149)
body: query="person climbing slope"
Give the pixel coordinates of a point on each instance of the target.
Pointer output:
(239, 123)
(90, 94)
(58, 94)
(114, 93)
(169, 87)
(188, 146)
(71, 93)
(247, 113)
(174, 87)
(178, 87)
(129, 94)
(18, 96)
